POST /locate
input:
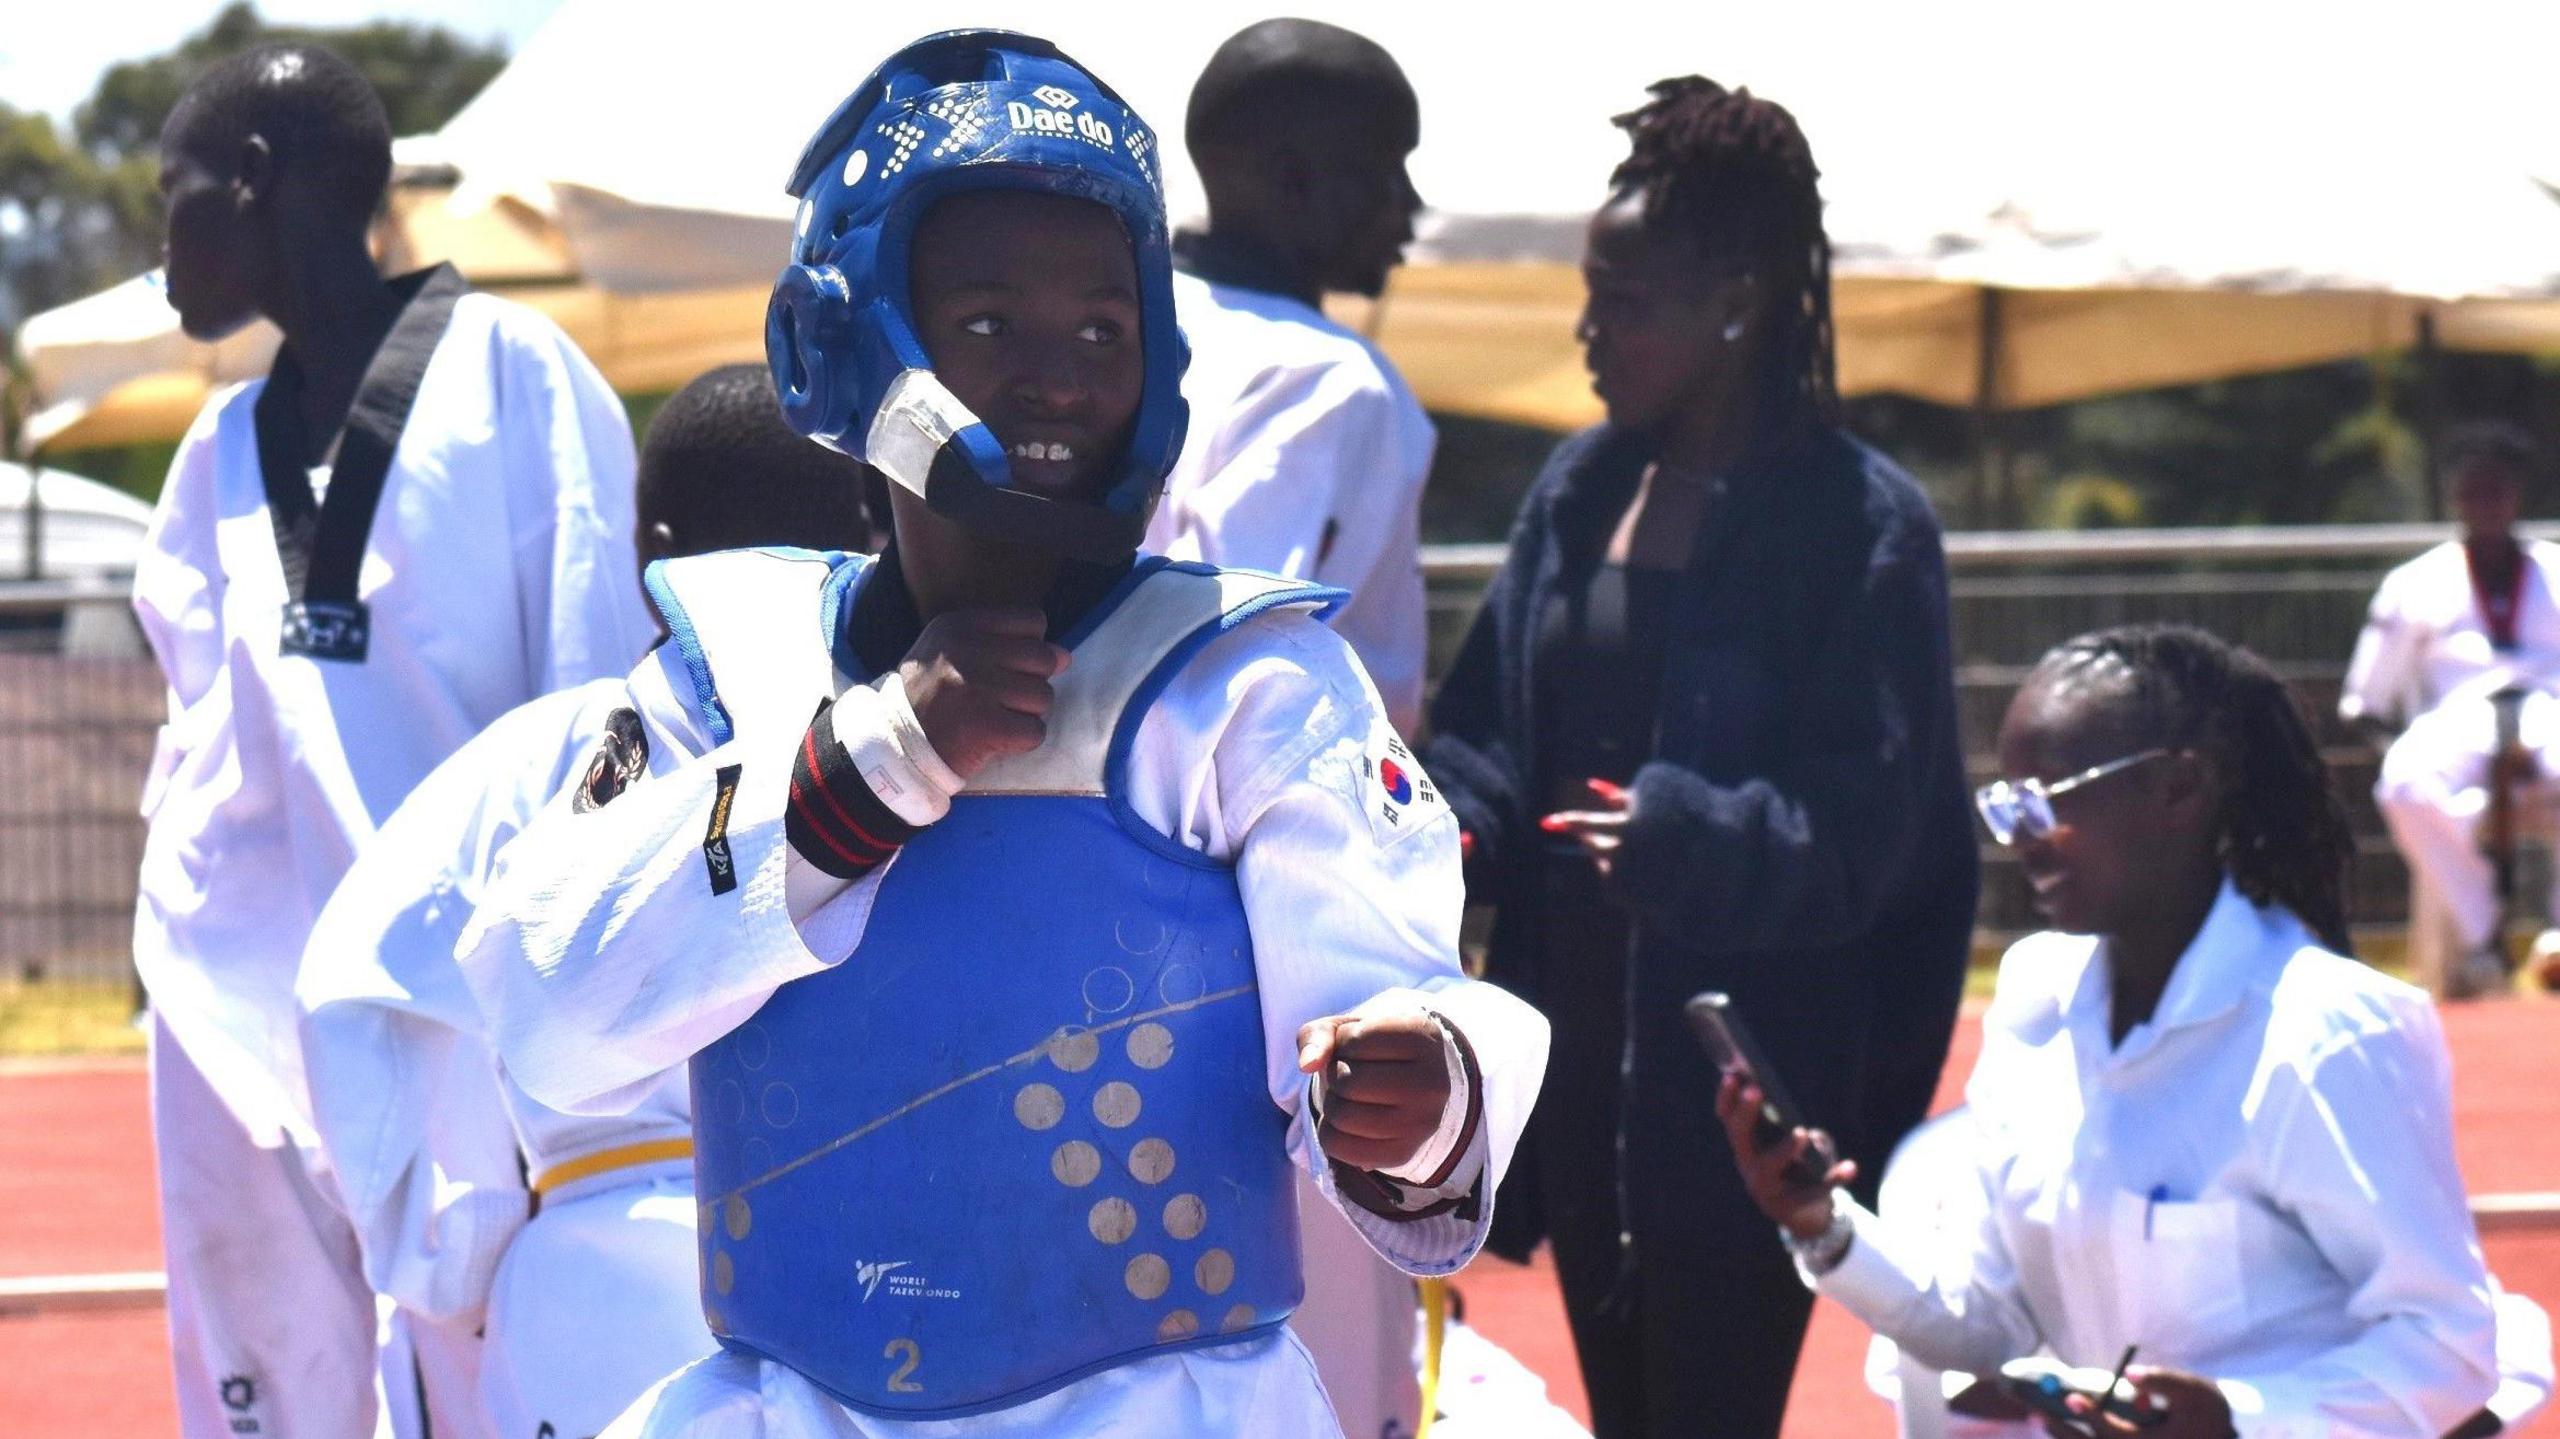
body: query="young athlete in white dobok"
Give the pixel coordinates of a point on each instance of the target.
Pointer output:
(420, 519)
(407, 1097)
(1098, 898)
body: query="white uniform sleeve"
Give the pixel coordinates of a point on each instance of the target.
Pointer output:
(2383, 675)
(2360, 1139)
(405, 1095)
(1968, 1317)
(1314, 479)
(1350, 894)
(605, 955)
(177, 596)
(570, 474)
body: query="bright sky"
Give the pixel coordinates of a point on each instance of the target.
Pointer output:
(51, 54)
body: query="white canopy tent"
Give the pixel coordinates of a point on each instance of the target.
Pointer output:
(2183, 192)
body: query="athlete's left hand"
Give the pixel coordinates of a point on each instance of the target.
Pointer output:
(1386, 1085)
(1600, 830)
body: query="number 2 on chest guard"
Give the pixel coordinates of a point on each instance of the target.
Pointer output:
(899, 1383)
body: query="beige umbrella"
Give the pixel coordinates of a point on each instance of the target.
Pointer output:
(2030, 203)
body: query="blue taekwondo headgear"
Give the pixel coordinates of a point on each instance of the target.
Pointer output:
(958, 111)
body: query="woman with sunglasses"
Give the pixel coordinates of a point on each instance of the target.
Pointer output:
(2199, 1128)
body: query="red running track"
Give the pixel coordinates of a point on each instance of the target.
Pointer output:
(76, 1187)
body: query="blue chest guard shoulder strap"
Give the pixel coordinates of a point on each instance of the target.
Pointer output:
(1024, 1132)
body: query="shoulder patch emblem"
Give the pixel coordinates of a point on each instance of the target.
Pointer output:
(621, 757)
(1398, 796)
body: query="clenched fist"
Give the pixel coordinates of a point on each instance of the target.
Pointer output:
(1386, 1085)
(979, 682)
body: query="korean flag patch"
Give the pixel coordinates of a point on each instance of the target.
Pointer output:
(1400, 798)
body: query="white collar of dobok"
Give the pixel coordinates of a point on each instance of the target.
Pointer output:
(2233, 953)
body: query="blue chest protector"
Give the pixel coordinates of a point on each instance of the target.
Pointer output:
(1024, 1132)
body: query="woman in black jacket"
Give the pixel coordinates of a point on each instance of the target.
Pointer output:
(1703, 736)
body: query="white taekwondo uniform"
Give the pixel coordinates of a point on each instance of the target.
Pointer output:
(2257, 1185)
(496, 566)
(1932, 1201)
(2426, 661)
(1306, 457)
(591, 1300)
(602, 956)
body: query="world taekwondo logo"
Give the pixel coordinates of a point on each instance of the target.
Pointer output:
(1051, 95)
(870, 1275)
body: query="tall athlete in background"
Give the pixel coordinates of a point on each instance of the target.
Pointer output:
(420, 519)
(1306, 458)
(1307, 452)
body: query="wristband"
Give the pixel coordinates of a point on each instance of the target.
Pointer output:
(1823, 1252)
(839, 822)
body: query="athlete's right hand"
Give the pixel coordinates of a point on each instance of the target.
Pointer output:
(979, 682)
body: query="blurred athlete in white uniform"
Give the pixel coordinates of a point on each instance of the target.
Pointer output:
(1307, 452)
(2448, 632)
(1014, 981)
(420, 519)
(400, 1075)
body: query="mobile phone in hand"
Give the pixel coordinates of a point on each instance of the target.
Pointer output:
(1732, 1050)
(2046, 1386)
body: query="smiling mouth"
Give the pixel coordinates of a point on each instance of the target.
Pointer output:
(1057, 453)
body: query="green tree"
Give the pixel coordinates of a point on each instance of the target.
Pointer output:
(424, 74)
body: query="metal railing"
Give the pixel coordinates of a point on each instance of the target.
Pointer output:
(77, 720)
(2296, 595)
(80, 705)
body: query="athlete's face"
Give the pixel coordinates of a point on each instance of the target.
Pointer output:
(1028, 305)
(209, 243)
(2487, 498)
(1361, 202)
(2097, 871)
(1666, 335)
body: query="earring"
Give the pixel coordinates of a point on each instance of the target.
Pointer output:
(1733, 332)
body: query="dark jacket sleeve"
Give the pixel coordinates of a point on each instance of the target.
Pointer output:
(1810, 854)
(1474, 750)
(1469, 756)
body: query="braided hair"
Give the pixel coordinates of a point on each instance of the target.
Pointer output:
(2282, 834)
(1733, 174)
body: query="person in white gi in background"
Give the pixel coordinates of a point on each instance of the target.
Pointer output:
(400, 1077)
(907, 832)
(419, 520)
(2448, 632)
(1308, 451)
(2199, 1132)
(1306, 458)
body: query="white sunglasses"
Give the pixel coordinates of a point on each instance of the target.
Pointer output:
(2025, 807)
